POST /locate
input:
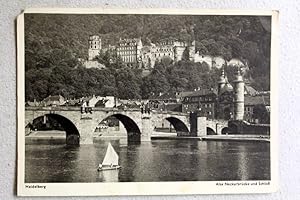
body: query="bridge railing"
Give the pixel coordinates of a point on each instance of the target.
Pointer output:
(77, 108)
(170, 112)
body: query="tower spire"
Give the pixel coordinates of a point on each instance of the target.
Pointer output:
(239, 88)
(221, 81)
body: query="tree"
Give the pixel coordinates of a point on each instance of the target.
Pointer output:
(260, 112)
(127, 84)
(56, 43)
(156, 82)
(186, 54)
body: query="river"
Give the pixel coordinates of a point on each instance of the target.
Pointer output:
(158, 160)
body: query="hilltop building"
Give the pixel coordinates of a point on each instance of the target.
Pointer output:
(94, 47)
(130, 50)
(133, 53)
(173, 49)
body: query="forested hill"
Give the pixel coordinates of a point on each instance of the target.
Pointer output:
(59, 40)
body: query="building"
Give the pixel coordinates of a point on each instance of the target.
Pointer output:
(225, 106)
(93, 64)
(130, 51)
(133, 53)
(203, 101)
(257, 108)
(164, 101)
(237, 102)
(94, 47)
(56, 100)
(212, 61)
(173, 49)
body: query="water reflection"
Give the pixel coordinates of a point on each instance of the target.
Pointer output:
(242, 163)
(108, 176)
(150, 161)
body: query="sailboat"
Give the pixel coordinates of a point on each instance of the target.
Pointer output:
(111, 159)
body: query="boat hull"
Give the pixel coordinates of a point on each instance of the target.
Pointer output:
(109, 168)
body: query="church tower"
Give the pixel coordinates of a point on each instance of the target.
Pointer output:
(238, 96)
(94, 46)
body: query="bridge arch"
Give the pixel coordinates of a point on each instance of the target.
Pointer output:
(72, 133)
(179, 125)
(210, 131)
(225, 131)
(132, 129)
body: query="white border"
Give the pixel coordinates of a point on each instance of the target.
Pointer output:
(144, 188)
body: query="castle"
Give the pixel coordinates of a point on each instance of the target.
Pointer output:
(134, 53)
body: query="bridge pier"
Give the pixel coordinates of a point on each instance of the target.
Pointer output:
(86, 130)
(146, 129)
(201, 126)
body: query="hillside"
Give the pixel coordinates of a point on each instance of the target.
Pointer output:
(57, 41)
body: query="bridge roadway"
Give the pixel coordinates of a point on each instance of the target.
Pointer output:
(80, 126)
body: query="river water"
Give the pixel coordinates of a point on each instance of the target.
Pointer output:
(158, 160)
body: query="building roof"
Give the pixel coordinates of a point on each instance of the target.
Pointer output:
(250, 90)
(73, 102)
(86, 98)
(130, 40)
(164, 96)
(255, 100)
(184, 94)
(54, 98)
(202, 92)
(32, 103)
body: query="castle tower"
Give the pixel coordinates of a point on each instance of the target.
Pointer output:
(238, 96)
(192, 50)
(94, 46)
(221, 81)
(139, 46)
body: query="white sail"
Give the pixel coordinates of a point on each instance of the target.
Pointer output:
(111, 157)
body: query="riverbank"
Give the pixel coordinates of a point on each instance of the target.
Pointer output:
(59, 137)
(242, 138)
(46, 137)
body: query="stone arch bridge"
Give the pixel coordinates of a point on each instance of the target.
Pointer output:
(138, 125)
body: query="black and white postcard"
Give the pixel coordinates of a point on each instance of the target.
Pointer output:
(146, 102)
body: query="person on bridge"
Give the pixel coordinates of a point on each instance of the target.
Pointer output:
(142, 108)
(83, 106)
